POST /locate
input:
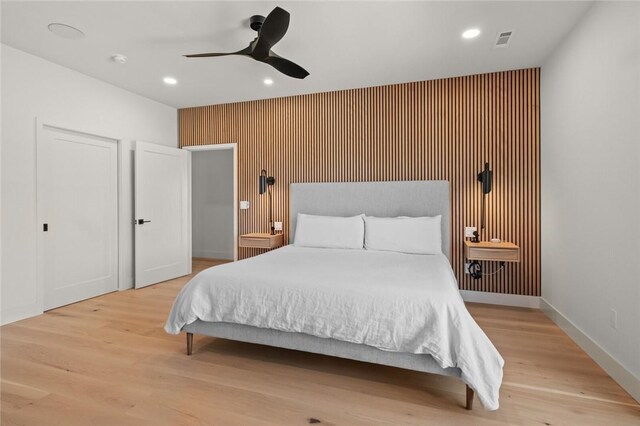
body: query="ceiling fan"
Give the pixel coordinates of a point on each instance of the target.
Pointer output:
(270, 31)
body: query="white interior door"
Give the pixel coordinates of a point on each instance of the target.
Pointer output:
(78, 216)
(162, 213)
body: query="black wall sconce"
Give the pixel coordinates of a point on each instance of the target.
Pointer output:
(485, 177)
(265, 184)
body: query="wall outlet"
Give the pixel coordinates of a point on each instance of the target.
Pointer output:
(244, 205)
(277, 226)
(613, 319)
(469, 230)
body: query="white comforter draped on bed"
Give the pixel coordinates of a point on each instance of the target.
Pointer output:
(392, 301)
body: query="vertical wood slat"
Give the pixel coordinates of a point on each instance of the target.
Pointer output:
(438, 129)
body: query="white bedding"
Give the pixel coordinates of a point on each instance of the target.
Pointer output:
(392, 301)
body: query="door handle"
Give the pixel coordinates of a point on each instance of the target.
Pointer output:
(140, 222)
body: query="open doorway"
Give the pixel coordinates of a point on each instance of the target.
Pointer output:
(214, 203)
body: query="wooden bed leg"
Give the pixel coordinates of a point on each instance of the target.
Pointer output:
(470, 394)
(190, 346)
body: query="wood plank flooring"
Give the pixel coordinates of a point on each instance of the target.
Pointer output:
(108, 361)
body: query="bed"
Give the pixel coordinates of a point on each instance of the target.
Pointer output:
(395, 309)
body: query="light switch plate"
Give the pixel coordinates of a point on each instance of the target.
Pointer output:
(277, 226)
(469, 230)
(244, 205)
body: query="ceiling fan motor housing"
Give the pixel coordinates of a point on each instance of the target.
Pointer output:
(256, 21)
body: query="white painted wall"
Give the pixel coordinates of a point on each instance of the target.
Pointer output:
(590, 168)
(212, 195)
(33, 87)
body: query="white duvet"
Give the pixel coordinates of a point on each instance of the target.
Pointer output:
(392, 301)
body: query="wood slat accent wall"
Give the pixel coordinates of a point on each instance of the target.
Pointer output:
(439, 129)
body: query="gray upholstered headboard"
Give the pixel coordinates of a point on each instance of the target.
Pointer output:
(383, 199)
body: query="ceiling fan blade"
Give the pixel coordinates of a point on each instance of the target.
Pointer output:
(285, 66)
(247, 50)
(208, 55)
(273, 29)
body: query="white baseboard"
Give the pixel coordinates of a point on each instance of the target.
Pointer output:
(501, 299)
(617, 371)
(209, 254)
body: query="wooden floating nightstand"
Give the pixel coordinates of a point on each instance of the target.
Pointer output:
(261, 240)
(495, 252)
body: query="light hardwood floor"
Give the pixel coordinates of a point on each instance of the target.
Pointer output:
(108, 361)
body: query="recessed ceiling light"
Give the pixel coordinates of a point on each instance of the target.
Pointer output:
(471, 33)
(268, 81)
(65, 31)
(170, 80)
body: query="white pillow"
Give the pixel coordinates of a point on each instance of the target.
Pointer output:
(415, 235)
(329, 231)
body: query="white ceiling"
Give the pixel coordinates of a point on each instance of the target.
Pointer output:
(342, 44)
